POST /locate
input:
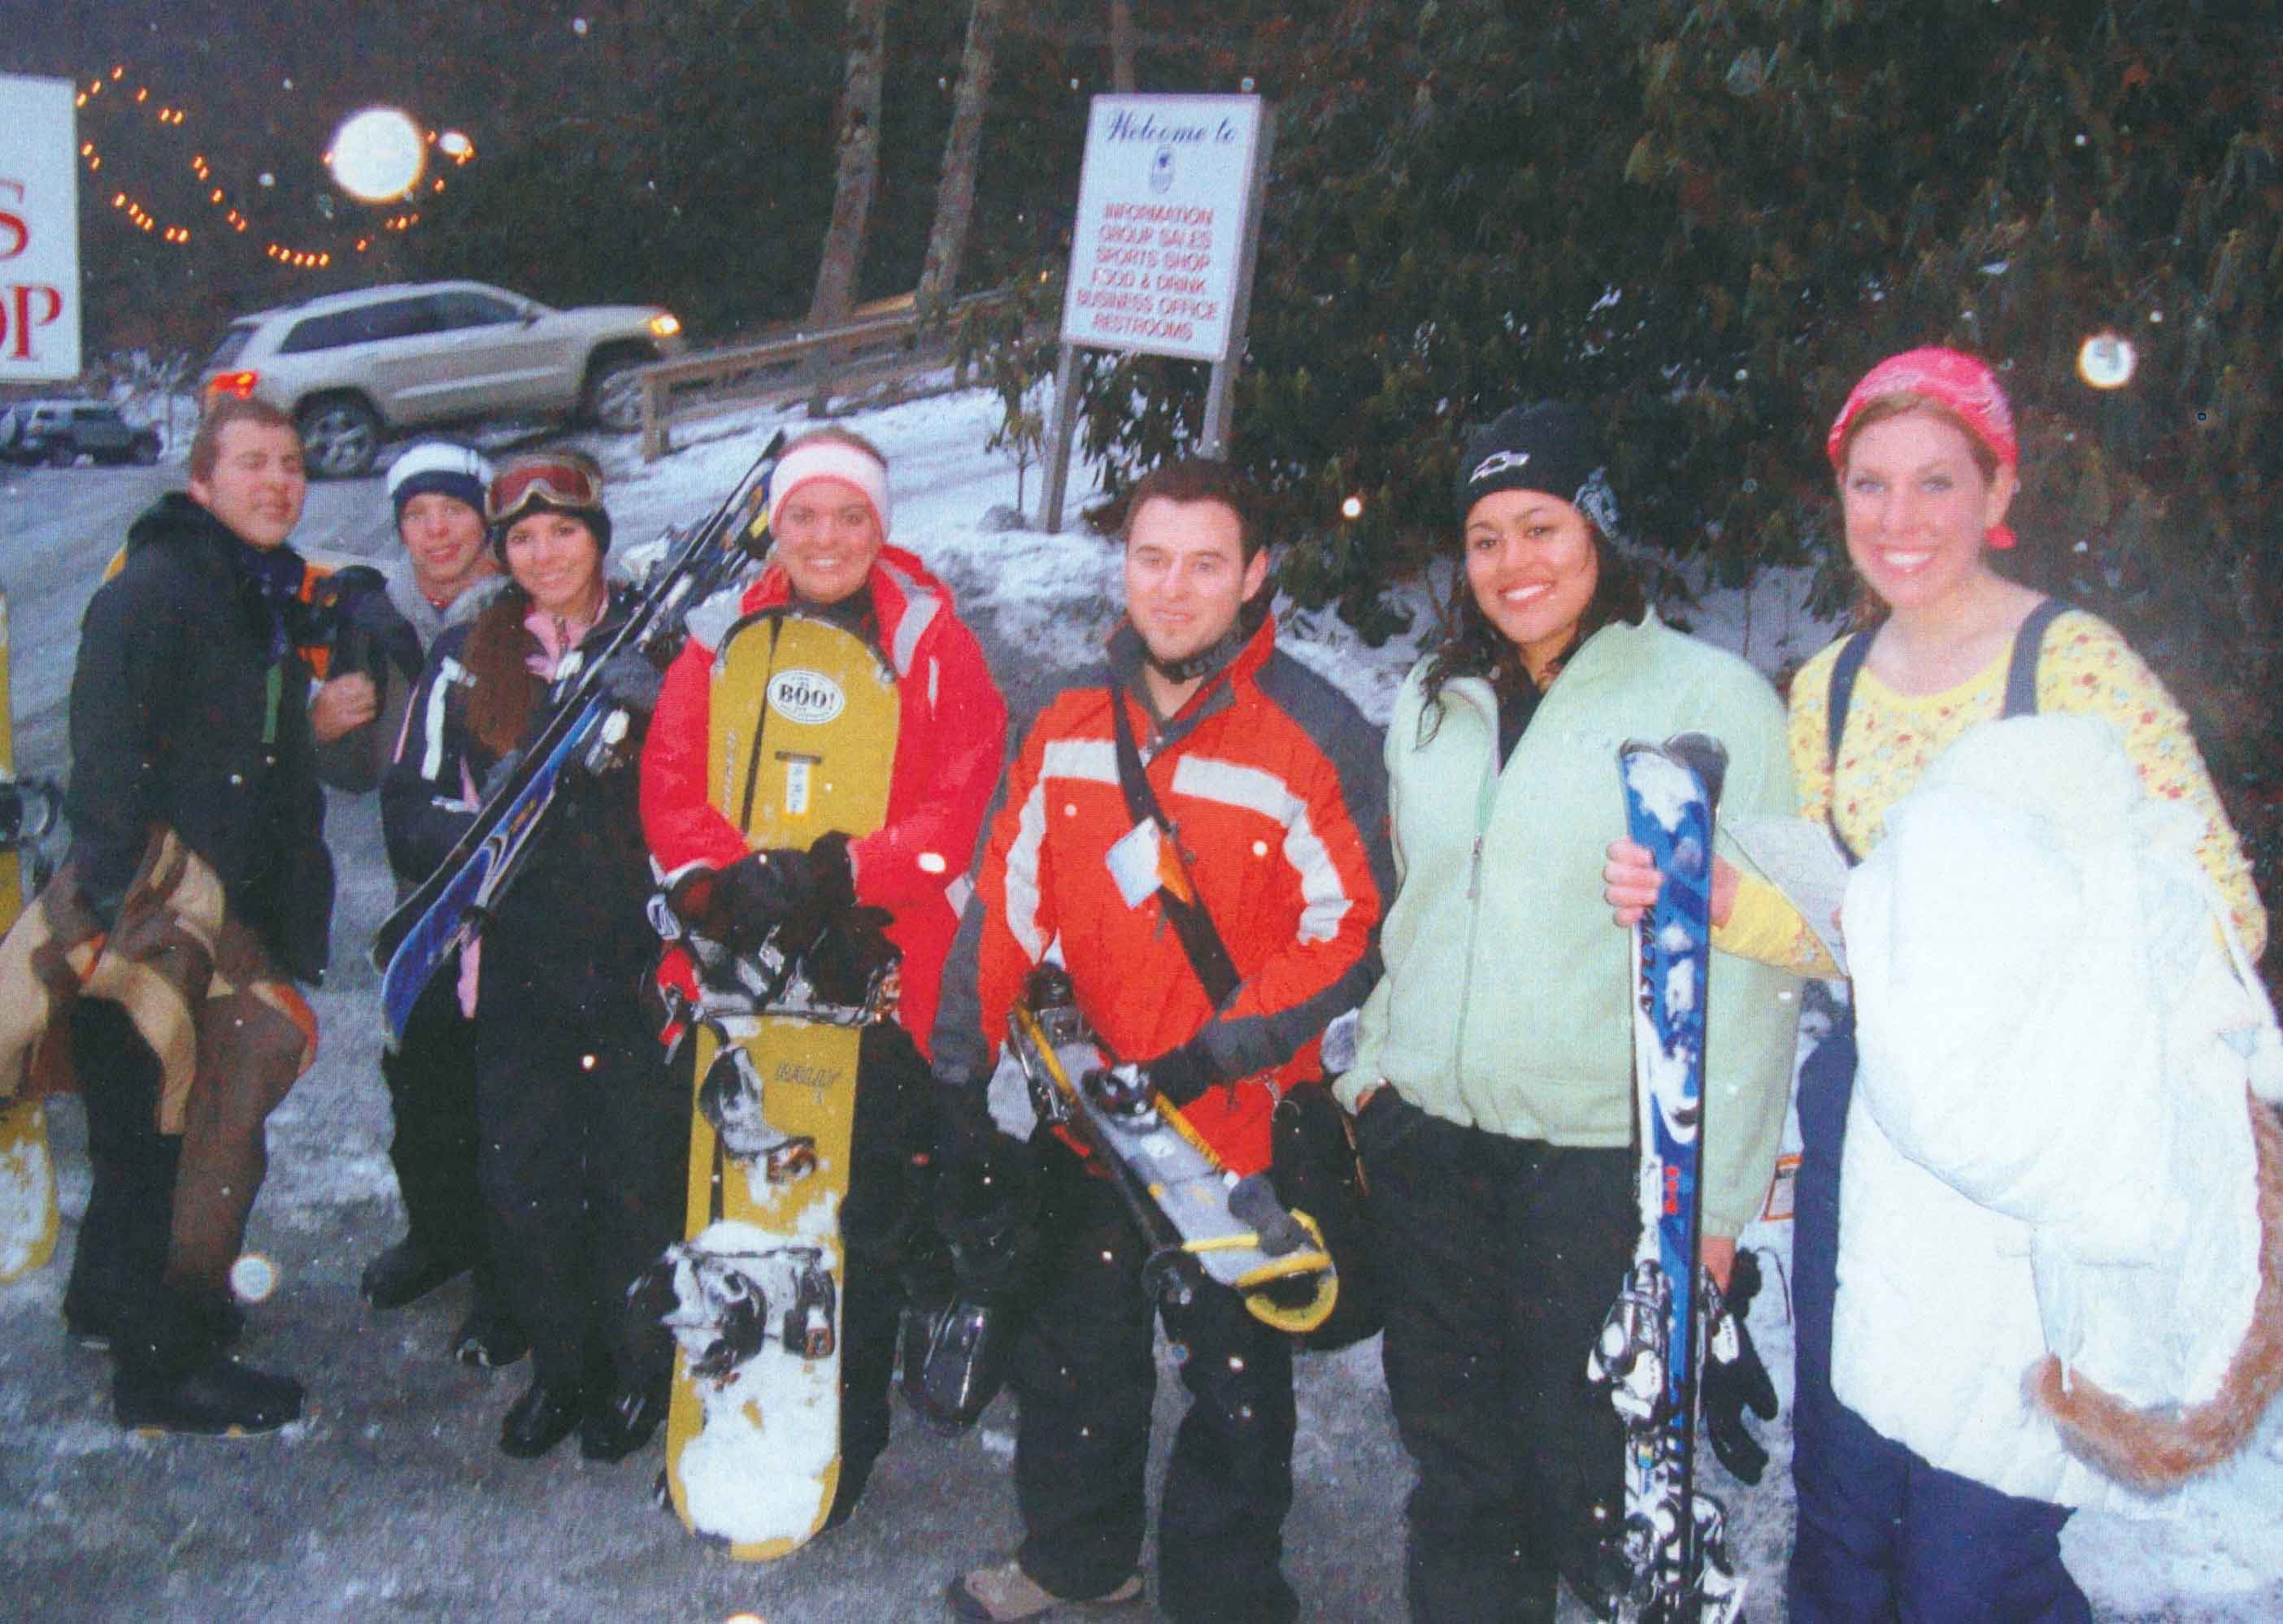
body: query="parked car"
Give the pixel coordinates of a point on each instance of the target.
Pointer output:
(59, 432)
(355, 368)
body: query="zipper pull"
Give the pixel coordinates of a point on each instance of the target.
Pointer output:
(1475, 873)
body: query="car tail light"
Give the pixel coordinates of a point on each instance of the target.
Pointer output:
(233, 383)
(664, 325)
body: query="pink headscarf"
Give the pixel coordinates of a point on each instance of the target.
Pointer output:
(1959, 381)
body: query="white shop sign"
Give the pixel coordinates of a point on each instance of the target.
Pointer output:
(39, 230)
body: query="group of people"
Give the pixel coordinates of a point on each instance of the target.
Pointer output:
(1448, 887)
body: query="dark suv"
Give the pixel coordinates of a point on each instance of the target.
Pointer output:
(59, 432)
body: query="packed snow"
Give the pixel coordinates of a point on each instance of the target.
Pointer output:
(390, 1500)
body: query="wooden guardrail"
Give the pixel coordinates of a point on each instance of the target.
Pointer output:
(887, 339)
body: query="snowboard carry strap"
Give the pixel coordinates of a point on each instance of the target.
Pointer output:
(1195, 926)
(2021, 690)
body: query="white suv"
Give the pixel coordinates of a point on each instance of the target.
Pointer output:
(355, 368)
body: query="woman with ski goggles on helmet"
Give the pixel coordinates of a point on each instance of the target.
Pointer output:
(582, 1133)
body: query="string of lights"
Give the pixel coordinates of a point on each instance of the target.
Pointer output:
(128, 200)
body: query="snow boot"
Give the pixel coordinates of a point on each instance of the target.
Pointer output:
(542, 1419)
(215, 1395)
(407, 1272)
(491, 1336)
(93, 1324)
(615, 1426)
(995, 1595)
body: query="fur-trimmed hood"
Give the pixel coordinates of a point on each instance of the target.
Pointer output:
(2157, 1448)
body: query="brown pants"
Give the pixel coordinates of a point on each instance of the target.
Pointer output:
(206, 1040)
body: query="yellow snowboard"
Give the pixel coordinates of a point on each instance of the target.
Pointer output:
(27, 1177)
(804, 741)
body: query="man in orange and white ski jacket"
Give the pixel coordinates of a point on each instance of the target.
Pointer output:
(1271, 805)
(1275, 787)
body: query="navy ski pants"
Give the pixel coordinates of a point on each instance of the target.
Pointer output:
(1885, 1537)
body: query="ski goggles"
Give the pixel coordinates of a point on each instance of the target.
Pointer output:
(542, 479)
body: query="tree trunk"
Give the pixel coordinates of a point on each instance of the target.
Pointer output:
(858, 143)
(1121, 46)
(954, 198)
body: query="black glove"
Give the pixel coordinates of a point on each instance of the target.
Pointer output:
(349, 613)
(334, 598)
(631, 681)
(1182, 1075)
(763, 889)
(1734, 1378)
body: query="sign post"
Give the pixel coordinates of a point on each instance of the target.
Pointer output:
(1163, 249)
(39, 230)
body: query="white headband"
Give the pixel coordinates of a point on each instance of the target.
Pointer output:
(829, 459)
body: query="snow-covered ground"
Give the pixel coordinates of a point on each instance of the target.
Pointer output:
(391, 1503)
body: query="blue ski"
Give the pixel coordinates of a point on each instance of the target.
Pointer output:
(1651, 1346)
(448, 910)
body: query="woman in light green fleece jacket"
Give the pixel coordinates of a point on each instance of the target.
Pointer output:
(1493, 1075)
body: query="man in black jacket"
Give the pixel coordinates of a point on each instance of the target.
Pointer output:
(194, 715)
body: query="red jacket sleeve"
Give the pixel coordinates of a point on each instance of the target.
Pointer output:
(961, 723)
(678, 823)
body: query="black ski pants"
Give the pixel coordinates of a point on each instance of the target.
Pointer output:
(885, 1235)
(119, 1266)
(1083, 1372)
(585, 1141)
(431, 1098)
(1498, 1260)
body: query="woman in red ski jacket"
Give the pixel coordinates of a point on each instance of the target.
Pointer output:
(828, 524)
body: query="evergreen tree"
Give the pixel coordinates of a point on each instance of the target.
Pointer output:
(1704, 220)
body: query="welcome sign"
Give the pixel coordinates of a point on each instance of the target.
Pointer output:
(1157, 252)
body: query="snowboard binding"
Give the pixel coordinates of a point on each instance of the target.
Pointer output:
(717, 1304)
(730, 1100)
(955, 1360)
(1629, 1358)
(1125, 1094)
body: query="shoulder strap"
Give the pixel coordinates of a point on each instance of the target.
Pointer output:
(1207, 956)
(1852, 653)
(2021, 688)
(2021, 675)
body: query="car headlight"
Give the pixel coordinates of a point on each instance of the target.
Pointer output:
(664, 325)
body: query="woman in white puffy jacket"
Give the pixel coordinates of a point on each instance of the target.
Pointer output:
(2037, 1264)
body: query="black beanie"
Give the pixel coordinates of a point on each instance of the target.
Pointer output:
(1549, 445)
